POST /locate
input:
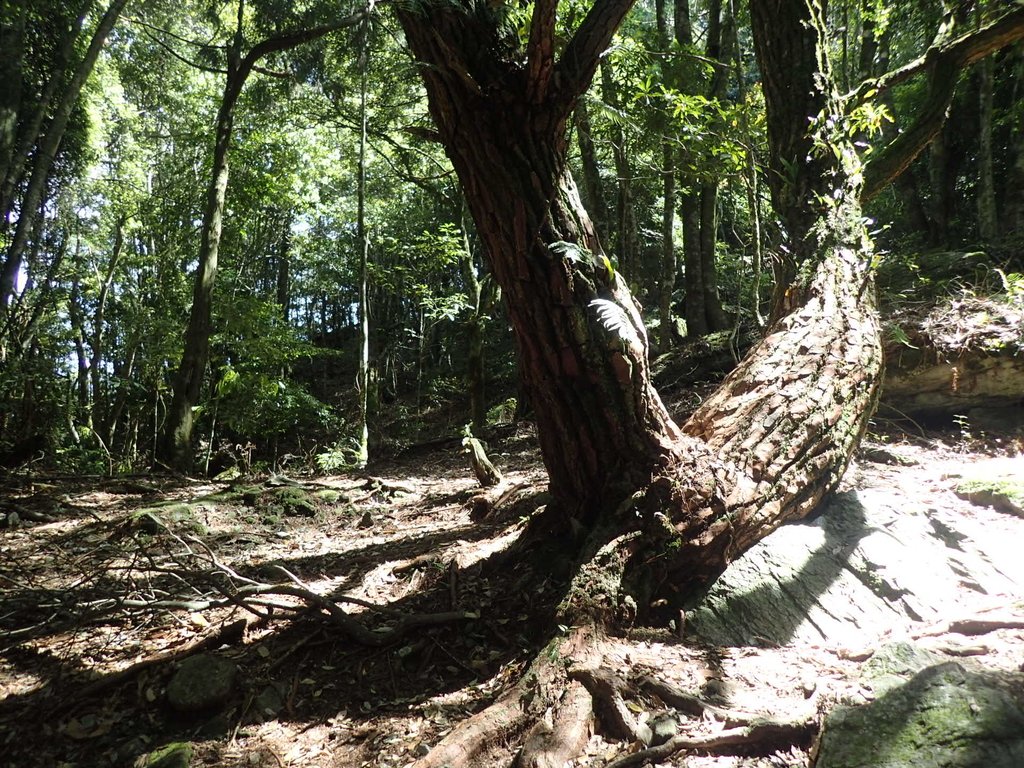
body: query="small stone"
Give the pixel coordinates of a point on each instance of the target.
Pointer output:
(202, 683)
(270, 701)
(808, 685)
(663, 727)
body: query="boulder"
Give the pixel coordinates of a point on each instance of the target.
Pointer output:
(945, 716)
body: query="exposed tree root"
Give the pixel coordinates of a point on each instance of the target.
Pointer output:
(763, 735)
(694, 706)
(544, 691)
(607, 689)
(555, 740)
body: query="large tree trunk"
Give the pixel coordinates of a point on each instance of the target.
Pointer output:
(777, 436)
(646, 510)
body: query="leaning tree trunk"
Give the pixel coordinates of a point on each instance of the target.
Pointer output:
(648, 510)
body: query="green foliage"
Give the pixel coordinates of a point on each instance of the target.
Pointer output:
(342, 456)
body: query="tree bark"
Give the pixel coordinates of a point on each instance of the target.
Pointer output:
(176, 450)
(593, 189)
(646, 510)
(784, 424)
(988, 226)
(666, 287)
(1013, 221)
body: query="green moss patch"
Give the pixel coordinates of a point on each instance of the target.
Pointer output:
(1002, 494)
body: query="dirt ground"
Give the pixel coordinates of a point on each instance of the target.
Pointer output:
(106, 585)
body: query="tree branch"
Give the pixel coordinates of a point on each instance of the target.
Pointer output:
(540, 51)
(287, 40)
(943, 62)
(575, 69)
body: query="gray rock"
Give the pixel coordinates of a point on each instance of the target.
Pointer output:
(202, 683)
(943, 717)
(894, 664)
(271, 700)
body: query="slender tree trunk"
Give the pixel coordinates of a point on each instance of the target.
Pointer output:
(988, 224)
(176, 449)
(593, 189)
(30, 133)
(625, 230)
(47, 149)
(96, 359)
(363, 384)
(668, 252)
(12, 42)
(77, 319)
(721, 35)
(939, 184)
(1014, 216)
(478, 302)
(693, 266)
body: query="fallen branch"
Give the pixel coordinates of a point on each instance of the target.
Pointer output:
(764, 734)
(694, 706)
(975, 625)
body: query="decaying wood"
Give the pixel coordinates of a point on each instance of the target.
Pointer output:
(486, 473)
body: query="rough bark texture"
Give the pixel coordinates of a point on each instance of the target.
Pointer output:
(582, 344)
(647, 510)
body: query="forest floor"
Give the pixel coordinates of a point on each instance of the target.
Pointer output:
(85, 663)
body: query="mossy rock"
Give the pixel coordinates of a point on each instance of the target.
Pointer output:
(176, 755)
(291, 501)
(155, 520)
(202, 683)
(895, 663)
(944, 717)
(329, 496)
(1002, 494)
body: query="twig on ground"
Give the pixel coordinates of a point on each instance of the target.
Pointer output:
(765, 733)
